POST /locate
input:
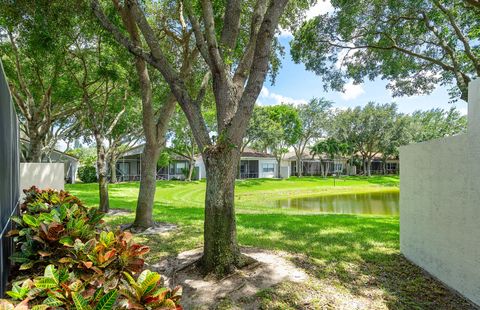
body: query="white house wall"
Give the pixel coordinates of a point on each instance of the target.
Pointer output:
(440, 205)
(262, 174)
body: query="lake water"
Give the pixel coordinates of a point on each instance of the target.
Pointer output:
(381, 203)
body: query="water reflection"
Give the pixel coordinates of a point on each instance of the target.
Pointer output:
(384, 203)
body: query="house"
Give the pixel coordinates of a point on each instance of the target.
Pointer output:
(312, 166)
(253, 164)
(70, 162)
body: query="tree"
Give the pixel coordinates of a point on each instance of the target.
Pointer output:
(330, 147)
(33, 52)
(183, 141)
(415, 44)
(99, 69)
(276, 128)
(366, 129)
(237, 59)
(436, 123)
(396, 136)
(155, 120)
(314, 117)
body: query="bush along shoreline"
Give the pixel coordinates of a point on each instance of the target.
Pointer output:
(65, 259)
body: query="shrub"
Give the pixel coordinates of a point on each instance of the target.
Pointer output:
(49, 223)
(83, 266)
(87, 174)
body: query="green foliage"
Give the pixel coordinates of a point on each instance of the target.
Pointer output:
(274, 128)
(86, 155)
(147, 293)
(415, 44)
(87, 174)
(82, 267)
(436, 123)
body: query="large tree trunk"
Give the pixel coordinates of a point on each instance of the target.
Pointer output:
(34, 153)
(146, 195)
(102, 176)
(221, 254)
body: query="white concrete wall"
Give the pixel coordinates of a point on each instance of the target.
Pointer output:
(42, 175)
(440, 205)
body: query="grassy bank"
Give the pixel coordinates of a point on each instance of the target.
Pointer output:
(354, 260)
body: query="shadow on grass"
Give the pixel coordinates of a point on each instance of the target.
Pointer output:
(355, 256)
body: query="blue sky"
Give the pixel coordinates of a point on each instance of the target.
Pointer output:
(296, 85)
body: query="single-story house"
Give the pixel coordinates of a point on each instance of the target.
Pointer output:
(253, 164)
(71, 163)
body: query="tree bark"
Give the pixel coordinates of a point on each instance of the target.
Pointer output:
(34, 153)
(113, 170)
(299, 166)
(191, 167)
(369, 167)
(220, 252)
(102, 175)
(146, 195)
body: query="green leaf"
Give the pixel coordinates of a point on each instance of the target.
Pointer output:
(66, 241)
(30, 220)
(52, 301)
(17, 220)
(107, 301)
(51, 272)
(40, 307)
(80, 302)
(26, 266)
(15, 295)
(150, 283)
(42, 282)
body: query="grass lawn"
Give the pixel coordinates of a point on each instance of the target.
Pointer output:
(354, 260)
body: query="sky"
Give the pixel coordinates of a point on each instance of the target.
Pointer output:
(294, 84)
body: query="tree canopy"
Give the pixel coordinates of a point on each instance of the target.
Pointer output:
(415, 45)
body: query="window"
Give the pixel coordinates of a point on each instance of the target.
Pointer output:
(391, 166)
(180, 167)
(268, 167)
(337, 167)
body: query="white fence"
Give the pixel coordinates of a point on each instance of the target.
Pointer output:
(440, 205)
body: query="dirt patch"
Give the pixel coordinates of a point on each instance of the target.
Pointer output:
(118, 212)
(201, 292)
(157, 229)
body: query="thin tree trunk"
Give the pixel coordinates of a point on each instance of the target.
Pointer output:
(191, 167)
(299, 166)
(113, 170)
(369, 167)
(279, 162)
(220, 252)
(146, 195)
(102, 176)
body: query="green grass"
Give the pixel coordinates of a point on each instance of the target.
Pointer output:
(350, 257)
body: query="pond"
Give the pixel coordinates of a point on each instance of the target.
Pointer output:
(381, 203)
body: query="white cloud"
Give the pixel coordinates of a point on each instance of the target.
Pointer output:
(269, 98)
(352, 91)
(322, 7)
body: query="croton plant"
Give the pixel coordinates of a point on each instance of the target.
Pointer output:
(66, 259)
